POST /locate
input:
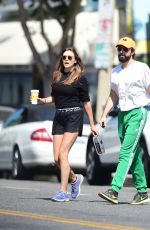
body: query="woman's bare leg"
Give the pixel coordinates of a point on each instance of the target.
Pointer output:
(66, 144)
(57, 141)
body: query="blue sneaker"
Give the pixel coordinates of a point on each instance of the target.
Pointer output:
(75, 187)
(60, 196)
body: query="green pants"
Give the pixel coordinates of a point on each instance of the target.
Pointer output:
(130, 127)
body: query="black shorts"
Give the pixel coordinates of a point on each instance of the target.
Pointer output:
(68, 120)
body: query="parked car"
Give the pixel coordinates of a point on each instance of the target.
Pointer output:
(26, 143)
(100, 168)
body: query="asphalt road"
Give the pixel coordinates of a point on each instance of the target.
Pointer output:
(27, 205)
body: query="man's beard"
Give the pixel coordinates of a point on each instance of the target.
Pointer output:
(123, 58)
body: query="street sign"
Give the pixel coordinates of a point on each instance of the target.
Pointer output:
(104, 38)
(102, 55)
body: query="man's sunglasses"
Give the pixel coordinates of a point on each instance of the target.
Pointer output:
(122, 48)
(64, 57)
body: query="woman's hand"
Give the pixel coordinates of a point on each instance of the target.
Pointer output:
(94, 130)
(42, 100)
(39, 100)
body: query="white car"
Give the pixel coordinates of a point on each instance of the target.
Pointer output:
(100, 168)
(26, 143)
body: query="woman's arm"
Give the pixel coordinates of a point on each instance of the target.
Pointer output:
(45, 100)
(88, 109)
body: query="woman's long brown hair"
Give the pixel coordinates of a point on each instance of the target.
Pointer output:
(75, 73)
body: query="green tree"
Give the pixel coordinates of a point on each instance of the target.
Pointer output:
(64, 11)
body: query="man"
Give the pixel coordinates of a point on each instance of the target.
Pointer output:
(130, 89)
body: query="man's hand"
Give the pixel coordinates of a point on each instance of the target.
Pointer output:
(102, 122)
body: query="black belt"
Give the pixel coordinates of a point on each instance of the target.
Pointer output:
(73, 109)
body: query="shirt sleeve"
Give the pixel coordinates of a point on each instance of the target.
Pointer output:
(113, 87)
(83, 90)
(146, 76)
(113, 83)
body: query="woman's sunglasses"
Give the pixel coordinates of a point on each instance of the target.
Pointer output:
(64, 57)
(122, 48)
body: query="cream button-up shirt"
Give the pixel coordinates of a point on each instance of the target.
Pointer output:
(131, 85)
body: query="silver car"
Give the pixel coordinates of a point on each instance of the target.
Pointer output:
(100, 168)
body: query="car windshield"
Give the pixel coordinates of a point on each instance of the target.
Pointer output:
(46, 112)
(31, 113)
(5, 112)
(41, 113)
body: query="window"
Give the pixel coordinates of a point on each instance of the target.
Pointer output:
(15, 118)
(15, 88)
(91, 5)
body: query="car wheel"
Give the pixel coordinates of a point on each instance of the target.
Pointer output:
(96, 174)
(17, 167)
(146, 162)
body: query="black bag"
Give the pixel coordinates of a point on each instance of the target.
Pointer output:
(98, 144)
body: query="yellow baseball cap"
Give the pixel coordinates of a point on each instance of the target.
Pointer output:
(127, 42)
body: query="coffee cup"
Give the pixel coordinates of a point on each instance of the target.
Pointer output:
(34, 96)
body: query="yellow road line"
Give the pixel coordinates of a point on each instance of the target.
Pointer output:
(67, 220)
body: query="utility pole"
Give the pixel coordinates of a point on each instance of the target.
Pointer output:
(103, 60)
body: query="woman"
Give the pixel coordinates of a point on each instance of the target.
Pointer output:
(70, 95)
